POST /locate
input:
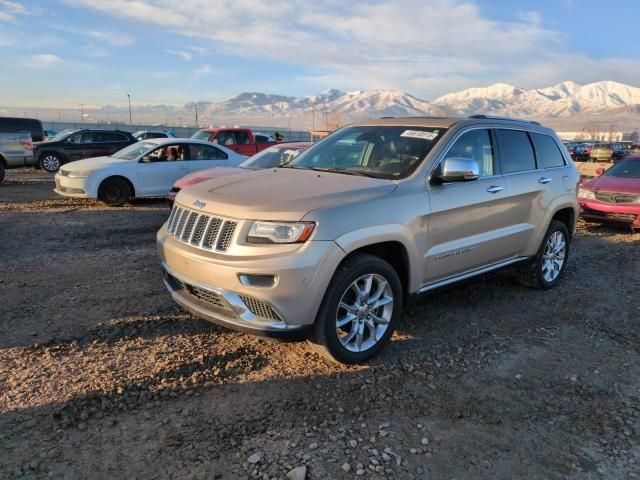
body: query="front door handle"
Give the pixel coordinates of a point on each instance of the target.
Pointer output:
(495, 188)
(544, 180)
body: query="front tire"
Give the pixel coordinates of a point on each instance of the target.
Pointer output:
(359, 311)
(550, 263)
(50, 162)
(114, 192)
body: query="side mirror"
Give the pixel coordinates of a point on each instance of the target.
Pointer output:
(600, 171)
(459, 169)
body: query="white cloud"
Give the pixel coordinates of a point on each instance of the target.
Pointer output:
(13, 7)
(204, 70)
(113, 38)
(43, 61)
(9, 10)
(424, 46)
(7, 17)
(186, 56)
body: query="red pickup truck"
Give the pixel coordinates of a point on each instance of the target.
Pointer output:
(240, 140)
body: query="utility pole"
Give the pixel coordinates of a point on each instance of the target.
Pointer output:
(313, 115)
(326, 119)
(82, 112)
(272, 115)
(195, 106)
(129, 98)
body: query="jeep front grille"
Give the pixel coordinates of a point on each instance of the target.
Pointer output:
(201, 230)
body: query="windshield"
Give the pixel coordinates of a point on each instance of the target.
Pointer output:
(271, 157)
(62, 135)
(390, 152)
(625, 169)
(134, 151)
(202, 135)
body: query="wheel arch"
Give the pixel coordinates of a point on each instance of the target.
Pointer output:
(3, 161)
(121, 177)
(391, 245)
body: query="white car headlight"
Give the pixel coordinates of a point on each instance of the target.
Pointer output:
(280, 232)
(79, 173)
(586, 194)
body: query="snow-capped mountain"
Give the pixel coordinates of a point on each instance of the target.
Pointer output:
(565, 99)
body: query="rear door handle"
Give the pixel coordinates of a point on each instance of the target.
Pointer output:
(544, 180)
(495, 188)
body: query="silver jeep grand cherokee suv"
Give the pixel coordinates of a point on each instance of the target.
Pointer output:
(334, 243)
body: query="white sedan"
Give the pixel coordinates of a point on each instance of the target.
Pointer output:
(145, 169)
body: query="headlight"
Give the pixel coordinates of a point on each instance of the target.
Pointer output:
(584, 193)
(79, 173)
(280, 232)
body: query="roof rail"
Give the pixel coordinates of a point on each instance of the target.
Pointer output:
(498, 117)
(385, 118)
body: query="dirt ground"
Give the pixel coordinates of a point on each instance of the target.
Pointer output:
(102, 376)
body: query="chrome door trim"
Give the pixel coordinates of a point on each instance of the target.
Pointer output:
(456, 278)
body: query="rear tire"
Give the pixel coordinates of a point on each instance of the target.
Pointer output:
(50, 162)
(550, 263)
(114, 192)
(359, 310)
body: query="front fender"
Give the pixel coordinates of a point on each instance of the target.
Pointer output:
(364, 237)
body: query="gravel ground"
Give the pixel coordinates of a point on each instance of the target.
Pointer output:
(102, 376)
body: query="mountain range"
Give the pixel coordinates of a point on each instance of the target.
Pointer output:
(566, 105)
(562, 100)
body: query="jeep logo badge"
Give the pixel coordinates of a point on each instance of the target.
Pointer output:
(199, 204)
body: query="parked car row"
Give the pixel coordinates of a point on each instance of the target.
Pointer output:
(599, 151)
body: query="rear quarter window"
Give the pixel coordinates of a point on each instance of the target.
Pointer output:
(516, 152)
(548, 154)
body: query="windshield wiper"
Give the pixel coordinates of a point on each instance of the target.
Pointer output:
(346, 171)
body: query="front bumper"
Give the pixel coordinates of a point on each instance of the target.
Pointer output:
(600, 212)
(210, 284)
(71, 187)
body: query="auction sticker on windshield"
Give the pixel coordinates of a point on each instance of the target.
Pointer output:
(419, 134)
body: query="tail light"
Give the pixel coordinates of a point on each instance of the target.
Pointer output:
(27, 143)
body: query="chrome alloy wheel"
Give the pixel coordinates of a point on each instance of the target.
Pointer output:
(554, 256)
(364, 312)
(51, 163)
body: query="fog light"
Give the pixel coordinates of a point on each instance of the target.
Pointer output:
(258, 281)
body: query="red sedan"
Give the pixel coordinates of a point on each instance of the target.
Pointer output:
(614, 197)
(271, 157)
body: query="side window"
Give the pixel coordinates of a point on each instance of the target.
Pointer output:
(205, 152)
(166, 153)
(226, 138)
(77, 138)
(475, 144)
(547, 152)
(116, 137)
(242, 138)
(516, 152)
(99, 137)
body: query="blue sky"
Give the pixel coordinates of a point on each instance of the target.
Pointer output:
(60, 53)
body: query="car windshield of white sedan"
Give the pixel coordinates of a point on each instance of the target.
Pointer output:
(626, 169)
(270, 158)
(390, 152)
(134, 151)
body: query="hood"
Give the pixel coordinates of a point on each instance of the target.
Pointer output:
(285, 194)
(614, 184)
(208, 174)
(92, 163)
